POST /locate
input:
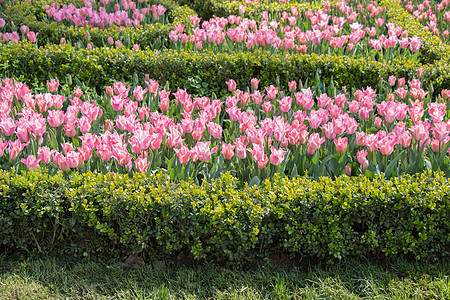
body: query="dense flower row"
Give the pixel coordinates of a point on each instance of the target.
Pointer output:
(256, 134)
(300, 31)
(340, 30)
(123, 13)
(434, 15)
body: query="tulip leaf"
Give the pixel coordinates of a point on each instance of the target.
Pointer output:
(255, 181)
(294, 171)
(392, 164)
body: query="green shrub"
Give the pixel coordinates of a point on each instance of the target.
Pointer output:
(219, 8)
(103, 66)
(112, 214)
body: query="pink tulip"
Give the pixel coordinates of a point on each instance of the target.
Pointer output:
(255, 83)
(15, 148)
(73, 159)
(32, 36)
(348, 170)
(142, 164)
(203, 152)
(271, 92)
(215, 130)
(341, 144)
(155, 141)
(8, 126)
(257, 152)
(285, 103)
(267, 106)
(386, 145)
(440, 131)
(292, 86)
(231, 85)
(228, 150)
(263, 162)
(3, 145)
(183, 154)
(139, 93)
(361, 156)
(52, 85)
(105, 152)
(419, 132)
(314, 143)
(277, 156)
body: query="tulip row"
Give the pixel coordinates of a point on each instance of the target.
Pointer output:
(313, 36)
(298, 131)
(311, 33)
(96, 29)
(434, 15)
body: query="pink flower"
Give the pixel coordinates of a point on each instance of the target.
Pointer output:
(44, 154)
(183, 154)
(231, 85)
(401, 92)
(164, 104)
(263, 162)
(255, 83)
(3, 145)
(341, 144)
(292, 86)
(142, 164)
(155, 141)
(392, 80)
(440, 131)
(348, 170)
(201, 149)
(314, 143)
(271, 92)
(361, 156)
(215, 130)
(285, 103)
(277, 156)
(122, 156)
(15, 148)
(415, 44)
(73, 159)
(8, 126)
(257, 152)
(419, 131)
(353, 106)
(228, 150)
(84, 124)
(32, 36)
(31, 162)
(52, 85)
(386, 145)
(267, 106)
(139, 93)
(105, 152)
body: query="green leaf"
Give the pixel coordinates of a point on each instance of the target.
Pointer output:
(255, 181)
(393, 164)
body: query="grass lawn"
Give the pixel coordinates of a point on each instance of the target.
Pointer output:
(69, 278)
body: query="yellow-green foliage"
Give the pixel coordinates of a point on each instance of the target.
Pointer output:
(347, 217)
(209, 8)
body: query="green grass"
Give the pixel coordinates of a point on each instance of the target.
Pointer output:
(68, 278)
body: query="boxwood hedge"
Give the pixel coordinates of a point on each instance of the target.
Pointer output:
(223, 220)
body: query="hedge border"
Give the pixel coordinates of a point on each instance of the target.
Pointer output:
(114, 214)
